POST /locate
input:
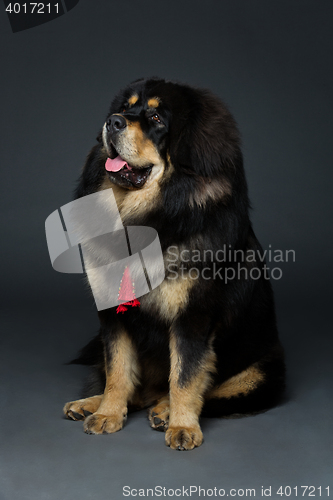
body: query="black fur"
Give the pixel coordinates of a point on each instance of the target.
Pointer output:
(202, 141)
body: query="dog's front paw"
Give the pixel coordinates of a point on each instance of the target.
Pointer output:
(183, 438)
(80, 409)
(158, 415)
(102, 424)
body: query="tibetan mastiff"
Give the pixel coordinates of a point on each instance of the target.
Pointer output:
(204, 342)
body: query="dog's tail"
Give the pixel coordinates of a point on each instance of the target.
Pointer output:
(92, 355)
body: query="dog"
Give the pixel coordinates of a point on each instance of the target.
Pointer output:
(199, 344)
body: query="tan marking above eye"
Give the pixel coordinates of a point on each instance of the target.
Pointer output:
(133, 99)
(153, 102)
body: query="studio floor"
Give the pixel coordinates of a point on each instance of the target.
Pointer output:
(44, 456)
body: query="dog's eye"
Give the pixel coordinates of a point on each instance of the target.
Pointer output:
(156, 118)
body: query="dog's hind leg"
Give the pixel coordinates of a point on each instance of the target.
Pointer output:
(254, 390)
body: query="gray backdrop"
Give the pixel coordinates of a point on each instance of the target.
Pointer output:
(271, 62)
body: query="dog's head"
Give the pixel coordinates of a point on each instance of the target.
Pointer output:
(156, 127)
(135, 136)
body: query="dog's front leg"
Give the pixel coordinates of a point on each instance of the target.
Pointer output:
(121, 368)
(192, 363)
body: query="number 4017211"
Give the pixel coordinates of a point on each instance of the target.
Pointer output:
(303, 491)
(32, 8)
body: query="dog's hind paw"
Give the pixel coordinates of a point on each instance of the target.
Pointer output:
(158, 415)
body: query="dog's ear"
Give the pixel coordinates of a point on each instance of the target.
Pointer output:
(205, 141)
(180, 143)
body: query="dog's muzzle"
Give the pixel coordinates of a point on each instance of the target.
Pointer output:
(115, 124)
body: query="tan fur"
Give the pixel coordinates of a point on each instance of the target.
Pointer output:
(134, 202)
(133, 99)
(240, 384)
(158, 415)
(76, 409)
(135, 148)
(153, 102)
(183, 438)
(212, 190)
(103, 424)
(170, 298)
(138, 151)
(162, 406)
(121, 375)
(186, 401)
(132, 144)
(131, 204)
(121, 380)
(106, 146)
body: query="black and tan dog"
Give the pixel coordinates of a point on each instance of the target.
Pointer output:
(198, 344)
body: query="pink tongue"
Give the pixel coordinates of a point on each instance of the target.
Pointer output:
(116, 164)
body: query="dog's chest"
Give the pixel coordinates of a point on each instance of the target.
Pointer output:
(168, 299)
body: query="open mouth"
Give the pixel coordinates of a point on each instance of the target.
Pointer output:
(125, 175)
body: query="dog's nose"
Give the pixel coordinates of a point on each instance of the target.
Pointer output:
(116, 123)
